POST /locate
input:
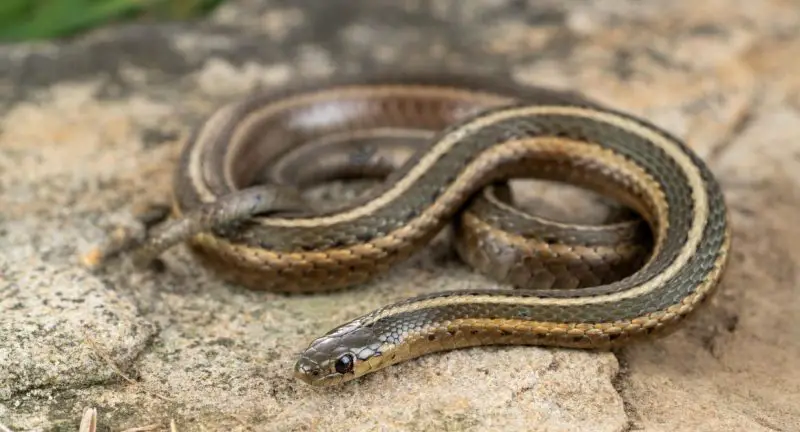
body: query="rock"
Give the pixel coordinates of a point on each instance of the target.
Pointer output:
(93, 127)
(63, 329)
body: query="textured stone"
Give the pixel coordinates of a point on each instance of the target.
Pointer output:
(62, 329)
(92, 128)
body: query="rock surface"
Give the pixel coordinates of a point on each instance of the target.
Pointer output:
(92, 128)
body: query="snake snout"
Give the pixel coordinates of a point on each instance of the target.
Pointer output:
(307, 370)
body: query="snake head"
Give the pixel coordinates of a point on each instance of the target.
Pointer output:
(344, 353)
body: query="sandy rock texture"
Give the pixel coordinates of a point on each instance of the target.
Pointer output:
(90, 130)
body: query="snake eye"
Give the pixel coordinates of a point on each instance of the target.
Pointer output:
(344, 364)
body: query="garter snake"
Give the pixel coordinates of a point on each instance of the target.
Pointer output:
(251, 226)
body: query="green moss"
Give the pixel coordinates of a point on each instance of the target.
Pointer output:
(46, 19)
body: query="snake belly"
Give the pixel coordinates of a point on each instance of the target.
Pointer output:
(481, 134)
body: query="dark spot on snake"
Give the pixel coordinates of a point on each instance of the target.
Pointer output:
(505, 332)
(451, 333)
(431, 337)
(474, 332)
(364, 236)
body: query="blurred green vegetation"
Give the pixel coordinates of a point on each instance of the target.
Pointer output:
(45, 19)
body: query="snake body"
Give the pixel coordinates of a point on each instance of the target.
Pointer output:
(567, 285)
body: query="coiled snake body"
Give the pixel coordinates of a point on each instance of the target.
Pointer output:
(567, 285)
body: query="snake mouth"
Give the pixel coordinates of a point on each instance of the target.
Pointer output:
(307, 371)
(303, 376)
(312, 374)
(317, 380)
